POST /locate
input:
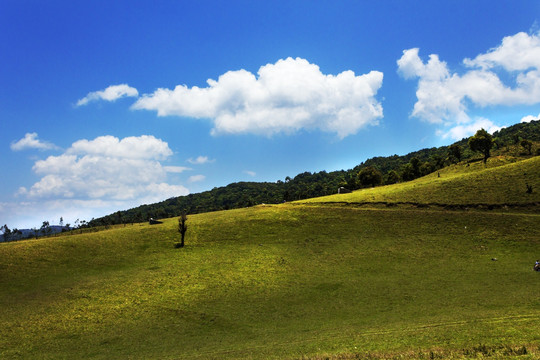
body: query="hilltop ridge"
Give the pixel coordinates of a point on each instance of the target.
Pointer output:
(502, 182)
(310, 185)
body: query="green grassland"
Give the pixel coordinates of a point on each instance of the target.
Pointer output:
(315, 280)
(502, 181)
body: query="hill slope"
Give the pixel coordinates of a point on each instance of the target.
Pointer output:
(286, 281)
(500, 182)
(308, 185)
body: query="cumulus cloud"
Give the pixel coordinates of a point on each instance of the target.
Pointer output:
(31, 141)
(445, 97)
(250, 173)
(107, 168)
(112, 93)
(529, 118)
(284, 97)
(140, 147)
(200, 160)
(519, 52)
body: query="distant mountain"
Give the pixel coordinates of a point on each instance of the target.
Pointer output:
(307, 185)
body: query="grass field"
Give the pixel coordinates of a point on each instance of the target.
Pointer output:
(285, 281)
(501, 181)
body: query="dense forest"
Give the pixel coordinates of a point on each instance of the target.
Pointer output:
(517, 140)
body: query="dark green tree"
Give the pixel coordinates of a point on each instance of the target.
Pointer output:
(416, 163)
(407, 173)
(454, 152)
(516, 137)
(527, 145)
(392, 177)
(498, 143)
(351, 182)
(426, 168)
(437, 161)
(370, 176)
(481, 142)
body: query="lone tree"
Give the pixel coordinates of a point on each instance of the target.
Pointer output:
(482, 142)
(182, 228)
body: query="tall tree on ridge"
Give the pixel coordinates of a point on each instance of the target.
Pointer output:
(482, 142)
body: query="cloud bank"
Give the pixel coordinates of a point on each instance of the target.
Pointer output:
(107, 169)
(506, 75)
(112, 93)
(284, 97)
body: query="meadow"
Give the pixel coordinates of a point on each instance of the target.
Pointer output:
(502, 181)
(291, 281)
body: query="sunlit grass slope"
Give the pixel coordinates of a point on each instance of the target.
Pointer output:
(500, 181)
(277, 282)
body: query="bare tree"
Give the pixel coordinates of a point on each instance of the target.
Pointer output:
(182, 228)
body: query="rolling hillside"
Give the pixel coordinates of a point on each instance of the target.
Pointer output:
(292, 281)
(308, 185)
(501, 182)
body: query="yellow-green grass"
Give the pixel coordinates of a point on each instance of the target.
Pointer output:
(501, 181)
(277, 282)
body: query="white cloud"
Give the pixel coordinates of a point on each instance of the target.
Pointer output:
(31, 141)
(196, 178)
(107, 168)
(176, 169)
(200, 160)
(519, 52)
(446, 98)
(250, 173)
(285, 97)
(529, 118)
(112, 93)
(141, 147)
(462, 131)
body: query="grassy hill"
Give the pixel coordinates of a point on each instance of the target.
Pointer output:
(308, 185)
(293, 281)
(502, 181)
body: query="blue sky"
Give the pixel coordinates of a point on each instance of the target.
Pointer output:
(106, 105)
